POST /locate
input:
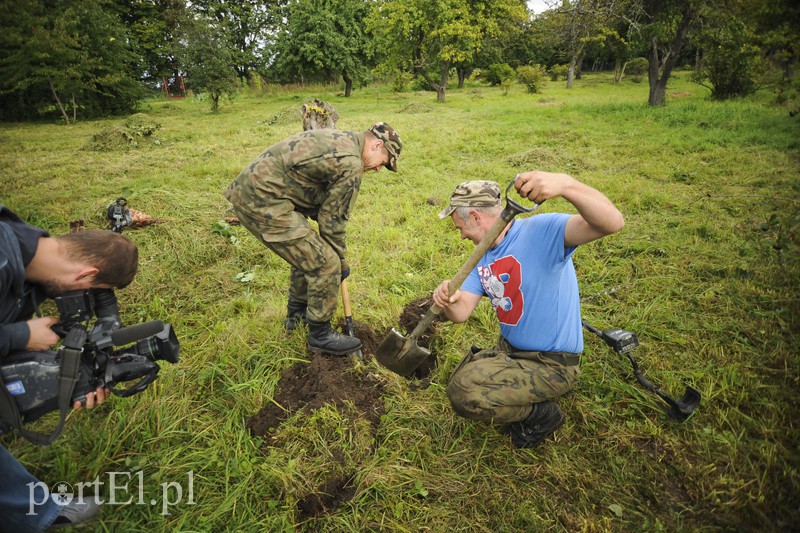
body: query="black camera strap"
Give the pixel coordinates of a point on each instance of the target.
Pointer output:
(71, 349)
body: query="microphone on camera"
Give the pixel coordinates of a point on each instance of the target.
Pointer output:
(131, 334)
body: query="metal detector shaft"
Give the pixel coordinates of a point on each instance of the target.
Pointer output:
(622, 341)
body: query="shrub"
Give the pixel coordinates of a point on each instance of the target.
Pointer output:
(531, 77)
(401, 81)
(732, 65)
(498, 73)
(637, 68)
(558, 71)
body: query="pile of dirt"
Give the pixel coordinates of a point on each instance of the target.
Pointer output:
(323, 380)
(369, 340)
(333, 381)
(309, 386)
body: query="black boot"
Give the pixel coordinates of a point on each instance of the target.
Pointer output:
(323, 339)
(544, 419)
(295, 315)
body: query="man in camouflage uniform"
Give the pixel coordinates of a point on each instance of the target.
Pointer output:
(312, 175)
(529, 277)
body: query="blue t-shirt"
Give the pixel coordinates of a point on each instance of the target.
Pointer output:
(530, 279)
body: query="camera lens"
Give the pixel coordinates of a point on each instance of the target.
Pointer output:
(163, 345)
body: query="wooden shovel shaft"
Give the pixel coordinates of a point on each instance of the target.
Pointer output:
(348, 314)
(480, 250)
(346, 300)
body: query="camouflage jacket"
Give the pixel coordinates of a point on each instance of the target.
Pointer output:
(318, 171)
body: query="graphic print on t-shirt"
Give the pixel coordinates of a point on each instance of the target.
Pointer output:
(501, 281)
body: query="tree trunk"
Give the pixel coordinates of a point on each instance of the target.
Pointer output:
(440, 91)
(462, 76)
(619, 69)
(58, 102)
(571, 72)
(214, 103)
(74, 110)
(657, 73)
(348, 84)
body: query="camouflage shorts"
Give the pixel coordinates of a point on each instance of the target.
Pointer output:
(500, 384)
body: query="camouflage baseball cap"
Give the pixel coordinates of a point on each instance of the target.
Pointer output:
(391, 141)
(478, 193)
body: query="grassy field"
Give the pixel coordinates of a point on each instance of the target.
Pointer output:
(705, 271)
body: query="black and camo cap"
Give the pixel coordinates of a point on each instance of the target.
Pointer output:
(477, 193)
(391, 141)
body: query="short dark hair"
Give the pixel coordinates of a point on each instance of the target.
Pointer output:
(114, 255)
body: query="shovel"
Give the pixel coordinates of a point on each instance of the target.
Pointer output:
(403, 355)
(348, 314)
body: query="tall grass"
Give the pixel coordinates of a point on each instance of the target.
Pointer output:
(705, 272)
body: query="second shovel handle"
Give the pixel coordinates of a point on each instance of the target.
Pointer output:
(511, 210)
(346, 299)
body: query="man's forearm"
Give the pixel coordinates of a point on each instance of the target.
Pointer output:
(594, 207)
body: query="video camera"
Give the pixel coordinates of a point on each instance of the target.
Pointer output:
(32, 378)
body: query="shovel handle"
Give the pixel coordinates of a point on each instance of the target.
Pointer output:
(346, 299)
(511, 210)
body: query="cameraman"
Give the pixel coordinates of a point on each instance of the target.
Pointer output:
(33, 267)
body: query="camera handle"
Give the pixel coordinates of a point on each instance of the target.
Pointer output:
(140, 385)
(71, 349)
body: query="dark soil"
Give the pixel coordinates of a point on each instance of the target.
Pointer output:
(331, 380)
(369, 340)
(323, 380)
(409, 318)
(309, 386)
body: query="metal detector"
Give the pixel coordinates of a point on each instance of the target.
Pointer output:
(622, 341)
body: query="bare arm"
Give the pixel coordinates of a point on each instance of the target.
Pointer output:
(597, 216)
(457, 307)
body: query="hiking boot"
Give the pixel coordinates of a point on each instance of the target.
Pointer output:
(295, 315)
(76, 512)
(544, 419)
(323, 339)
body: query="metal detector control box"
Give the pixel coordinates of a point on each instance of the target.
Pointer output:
(621, 341)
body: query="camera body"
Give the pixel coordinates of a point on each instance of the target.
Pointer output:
(33, 378)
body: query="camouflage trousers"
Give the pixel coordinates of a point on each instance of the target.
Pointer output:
(501, 384)
(316, 269)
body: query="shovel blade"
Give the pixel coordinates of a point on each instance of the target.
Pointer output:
(393, 354)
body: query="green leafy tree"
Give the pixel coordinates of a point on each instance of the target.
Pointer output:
(249, 27)
(666, 30)
(744, 46)
(731, 62)
(431, 37)
(68, 55)
(326, 36)
(209, 60)
(577, 23)
(153, 29)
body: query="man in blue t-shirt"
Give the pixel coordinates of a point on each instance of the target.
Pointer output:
(530, 280)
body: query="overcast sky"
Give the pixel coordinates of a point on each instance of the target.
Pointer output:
(538, 6)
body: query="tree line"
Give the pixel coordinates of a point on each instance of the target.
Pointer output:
(88, 58)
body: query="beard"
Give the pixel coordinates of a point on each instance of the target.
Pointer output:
(53, 288)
